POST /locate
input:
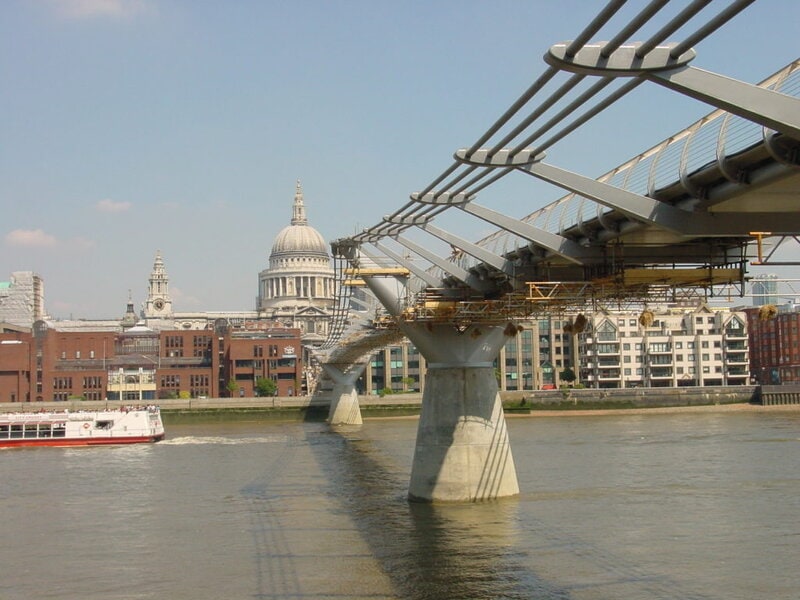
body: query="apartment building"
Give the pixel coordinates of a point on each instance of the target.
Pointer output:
(668, 347)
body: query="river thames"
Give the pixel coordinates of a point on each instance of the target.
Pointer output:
(702, 505)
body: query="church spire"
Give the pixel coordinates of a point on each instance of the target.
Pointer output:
(299, 210)
(158, 303)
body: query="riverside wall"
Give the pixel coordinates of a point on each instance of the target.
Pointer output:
(409, 404)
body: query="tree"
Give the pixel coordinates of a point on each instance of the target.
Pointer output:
(266, 387)
(232, 386)
(567, 375)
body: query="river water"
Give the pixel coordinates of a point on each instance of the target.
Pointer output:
(667, 506)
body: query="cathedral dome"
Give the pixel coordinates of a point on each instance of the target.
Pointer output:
(298, 286)
(299, 237)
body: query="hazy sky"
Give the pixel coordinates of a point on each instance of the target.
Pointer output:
(131, 126)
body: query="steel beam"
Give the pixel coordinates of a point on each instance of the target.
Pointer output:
(654, 212)
(429, 279)
(490, 258)
(454, 270)
(551, 242)
(763, 106)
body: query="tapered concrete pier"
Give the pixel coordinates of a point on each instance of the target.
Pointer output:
(344, 409)
(462, 453)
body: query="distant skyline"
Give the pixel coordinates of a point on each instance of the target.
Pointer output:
(133, 126)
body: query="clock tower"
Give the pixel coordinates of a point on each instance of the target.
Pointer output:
(158, 304)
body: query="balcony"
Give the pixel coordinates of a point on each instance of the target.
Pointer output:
(659, 349)
(661, 373)
(608, 362)
(735, 334)
(661, 359)
(736, 358)
(736, 345)
(606, 348)
(605, 374)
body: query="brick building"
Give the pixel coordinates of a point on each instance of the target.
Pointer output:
(774, 344)
(141, 365)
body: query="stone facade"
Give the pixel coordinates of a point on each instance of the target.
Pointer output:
(297, 287)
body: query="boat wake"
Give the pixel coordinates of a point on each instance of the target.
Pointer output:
(192, 440)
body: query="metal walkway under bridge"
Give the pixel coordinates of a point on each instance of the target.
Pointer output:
(682, 219)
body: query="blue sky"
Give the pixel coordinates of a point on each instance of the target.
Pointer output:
(131, 126)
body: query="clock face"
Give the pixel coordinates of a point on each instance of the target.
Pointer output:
(158, 304)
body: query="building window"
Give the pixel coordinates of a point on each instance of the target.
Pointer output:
(174, 341)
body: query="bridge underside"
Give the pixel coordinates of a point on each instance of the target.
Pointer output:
(680, 221)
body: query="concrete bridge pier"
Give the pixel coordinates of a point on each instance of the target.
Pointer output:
(344, 409)
(462, 453)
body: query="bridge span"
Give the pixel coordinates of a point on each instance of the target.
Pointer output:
(682, 219)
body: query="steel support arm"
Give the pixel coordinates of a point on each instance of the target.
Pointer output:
(637, 207)
(552, 242)
(656, 213)
(490, 258)
(763, 106)
(429, 279)
(454, 270)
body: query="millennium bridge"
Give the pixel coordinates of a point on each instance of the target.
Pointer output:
(683, 219)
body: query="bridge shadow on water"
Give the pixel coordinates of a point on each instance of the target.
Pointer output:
(476, 551)
(436, 551)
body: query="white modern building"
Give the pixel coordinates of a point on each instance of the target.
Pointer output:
(669, 347)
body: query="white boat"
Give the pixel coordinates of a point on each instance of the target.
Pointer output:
(127, 425)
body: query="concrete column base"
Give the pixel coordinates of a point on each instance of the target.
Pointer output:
(344, 409)
(462, 453)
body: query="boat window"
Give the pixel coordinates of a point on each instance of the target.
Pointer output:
(4, 428)
(16, 431)
(59, 429)
(103, 424)
(31, 430)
